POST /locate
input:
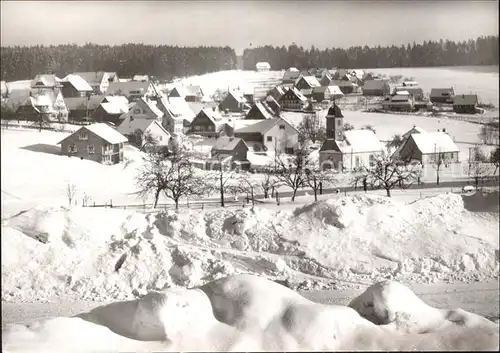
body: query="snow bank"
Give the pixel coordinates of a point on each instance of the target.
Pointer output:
(251, 313)
(100, 254)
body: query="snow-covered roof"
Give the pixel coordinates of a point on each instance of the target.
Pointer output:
(153, 107)
(126, 87)
(311, 80)
(263, 110)
(90, 103)
(112, 108)
(119, 100)
(403, 93)
(438, 92)
(78, 82)
(46, 80)
(241, 123)
(263, 126)
(104, 131)
(413, 130)
(140, 78)
(335, 90)
(41, 100)
(465, 99)
(374, 84)
(434, 142)
(262, 65)
(130, 125)
(357, 141)
(178, 108)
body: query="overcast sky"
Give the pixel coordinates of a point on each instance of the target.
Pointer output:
(239, 23)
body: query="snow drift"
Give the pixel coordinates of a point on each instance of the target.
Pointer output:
(247, 312)
(102, 254)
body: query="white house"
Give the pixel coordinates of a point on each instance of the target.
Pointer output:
(270, 134)
(177, 115)
(144, 109)
(130, 128)
(430, 148)
(262, 66)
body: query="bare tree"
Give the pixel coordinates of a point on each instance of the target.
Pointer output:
(218, 179)
(151, 177)
(85, 200)
(144, 139)
(479, 172)
(218, 95)
(268, 182)
(245, 184)
(70, 192)
(369, 127)
(291, 171)
(311, 128)
(171, 173)
(317, 179)
(388, 174)
(495, 159)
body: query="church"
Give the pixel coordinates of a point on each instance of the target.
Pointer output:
(347, 150)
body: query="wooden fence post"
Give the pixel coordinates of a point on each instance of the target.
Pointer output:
(94, 203)
(111, 203)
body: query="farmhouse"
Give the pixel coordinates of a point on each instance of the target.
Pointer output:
(81, 108)
(465, 103)
(234, 102)
(346, 86)
(442, 95)
(177, 115)
(292, 100)
(430, 148)
(291, 75)
(177, 92)
(403, 101)
(110, 109)
(376, 88)
(45, 82)
(97, 142)
(259, 111)
(208, 122)
(271, 134)
(346, 150)
(75, 86)
(47, 106)
(404, 137)
(262, 66)
(144, 109)
(327, 93)
(307, 82)
(99, 81)
(141, 131)
(133, 90)
(416, 92)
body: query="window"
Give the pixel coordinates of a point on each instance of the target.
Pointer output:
(83, 136)
(160, 138)
(339, 122)
(372, 160)
(72, 148)
(137, 111)
(91, 149)
(282, 127)
(358, 161)
(269, 138)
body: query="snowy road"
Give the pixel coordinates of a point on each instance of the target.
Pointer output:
(479, 298)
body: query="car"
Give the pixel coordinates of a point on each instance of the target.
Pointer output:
(468, 188)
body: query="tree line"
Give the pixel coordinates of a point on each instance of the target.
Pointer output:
(163, 62)
(480, 51)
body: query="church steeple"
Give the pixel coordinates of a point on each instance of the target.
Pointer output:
(335, 123)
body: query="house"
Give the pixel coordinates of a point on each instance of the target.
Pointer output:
(341, 74)
(177, 92)
(370, 76)
(259, 110)
(110, 109)
(144, 109)
(328, 93)
(49, 106)
(177, 114)
(359, 74)
(292, 100)
(465, 103)
(347, 150)
(99, 81)
(141, 78)
(81, 108)
(234, 102)
(290, 75)
(223, 150)
(236, 147)
(404, 137)
(208, 122)
(307, 82)
(346, 86)
(75, 86)
(376, 88)
(194, 94)
(45, 82)
(430, 148)
(320, 73)
(415, 91)
(275, 134)
(3, 89)
(273, 104)
(133, 90)
(136, 131)
(442, 95)
(96, 142)
(403, 101)
(262, 66)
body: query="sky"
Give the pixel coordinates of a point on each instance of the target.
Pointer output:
(244, 24)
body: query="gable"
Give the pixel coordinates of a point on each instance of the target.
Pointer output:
(202, 118)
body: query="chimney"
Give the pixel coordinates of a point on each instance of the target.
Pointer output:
(213, 109)
(444, 130)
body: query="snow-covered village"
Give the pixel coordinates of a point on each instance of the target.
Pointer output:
(192, 197)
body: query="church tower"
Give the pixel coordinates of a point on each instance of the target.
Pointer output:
(335, 123)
